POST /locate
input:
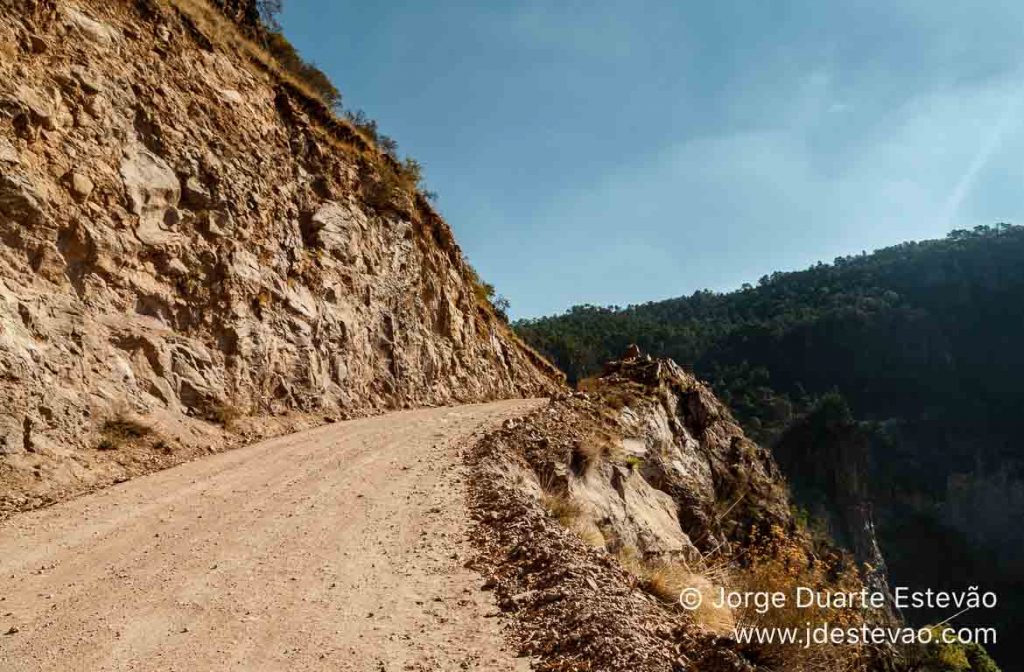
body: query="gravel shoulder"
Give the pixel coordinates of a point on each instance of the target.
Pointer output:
(338, 548)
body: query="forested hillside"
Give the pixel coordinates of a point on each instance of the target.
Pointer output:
(905, 363)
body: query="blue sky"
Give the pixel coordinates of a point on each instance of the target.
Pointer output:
(621, 152)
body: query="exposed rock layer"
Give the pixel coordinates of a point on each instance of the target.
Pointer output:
(179, 239)
(658, 468)
(645, 469)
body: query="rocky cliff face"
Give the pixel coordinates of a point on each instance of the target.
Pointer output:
(826, 457)
(598, 510)
(184, 239)
(658, 464)
(645, 468)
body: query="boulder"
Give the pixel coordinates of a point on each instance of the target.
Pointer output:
(94, 30)
(12, 436)
(335, 228)
(153, 193)
(19, 201)
(81, 186)
(8, 154)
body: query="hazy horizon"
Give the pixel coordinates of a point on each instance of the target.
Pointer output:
(630, 153)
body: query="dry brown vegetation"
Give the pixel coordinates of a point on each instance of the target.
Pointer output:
(390, 184)
(358, 137)
(122, 429)
(589, 384)
(588, 453)
(615, 396)
(571, 515)
(562, 507)
(776, 561)
(598, 446)
(667, 579)
(227, 415)
(772, 562)
(221, 30)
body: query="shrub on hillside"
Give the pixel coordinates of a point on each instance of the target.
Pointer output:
(286, 55)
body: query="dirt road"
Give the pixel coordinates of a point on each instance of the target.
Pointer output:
(340, 548)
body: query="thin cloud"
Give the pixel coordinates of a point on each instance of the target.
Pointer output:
(992, 144)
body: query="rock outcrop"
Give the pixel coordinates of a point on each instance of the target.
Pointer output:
(829, 450)
(180, 239)
(645, 463)
(596, 511)
(657, 462)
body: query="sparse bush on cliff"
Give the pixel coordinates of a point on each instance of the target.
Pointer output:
(667, 580)
(258, 36)
(938, 656)
(258, 18)
(281, 49)
(252, 26)
(778, 562)
(487, 294)
(227, 414)
(391, 184)
(562, 507)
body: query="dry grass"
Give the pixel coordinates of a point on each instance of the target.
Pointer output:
(667, 580)
(590, 452)
(224, 32)
(602, 443)
(395, 183)
(572, 516)
(772, 563)
(221, 30)
(562, 507)
(778, 562)
(589, 532)
(226, 414)
(616, 395)
(122, 429)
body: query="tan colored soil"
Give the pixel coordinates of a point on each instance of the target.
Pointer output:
(339, 548)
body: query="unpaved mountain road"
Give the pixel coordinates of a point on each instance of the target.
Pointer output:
(339, 548)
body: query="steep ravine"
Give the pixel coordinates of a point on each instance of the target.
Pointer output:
(188, 244)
